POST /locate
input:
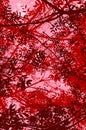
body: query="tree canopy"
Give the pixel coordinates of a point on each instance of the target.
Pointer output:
(43, 66)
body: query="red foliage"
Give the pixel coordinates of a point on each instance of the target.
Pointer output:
(43, 66)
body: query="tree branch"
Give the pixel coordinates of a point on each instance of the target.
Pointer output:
(62, 11)
(48, 18)
(34, 22)
(51, 5)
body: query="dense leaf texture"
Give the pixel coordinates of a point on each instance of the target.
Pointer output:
(43, 66)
